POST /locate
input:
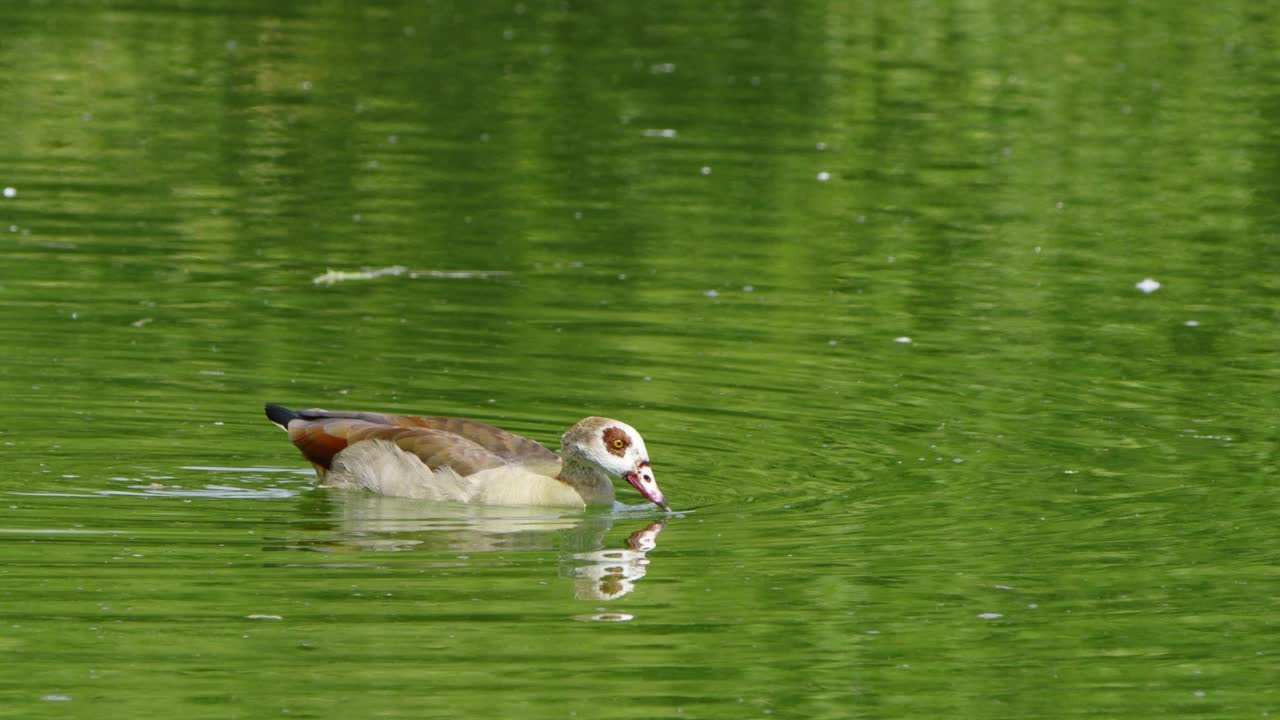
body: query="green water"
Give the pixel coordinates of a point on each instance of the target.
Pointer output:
(864, 274)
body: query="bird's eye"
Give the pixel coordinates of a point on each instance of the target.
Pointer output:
(616, 441)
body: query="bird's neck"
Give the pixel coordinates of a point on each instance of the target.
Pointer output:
(588, 480)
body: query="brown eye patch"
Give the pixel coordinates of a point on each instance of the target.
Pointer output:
(616, 441)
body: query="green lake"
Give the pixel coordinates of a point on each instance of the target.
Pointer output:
(952, 328)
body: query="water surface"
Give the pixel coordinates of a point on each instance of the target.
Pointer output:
(866, 276)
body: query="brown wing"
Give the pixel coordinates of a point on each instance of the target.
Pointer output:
(506, 445)
(321, 438)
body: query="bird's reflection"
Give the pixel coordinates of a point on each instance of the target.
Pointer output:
(610, 574)
(365, 521)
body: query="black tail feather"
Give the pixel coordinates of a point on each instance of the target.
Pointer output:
(280, 415)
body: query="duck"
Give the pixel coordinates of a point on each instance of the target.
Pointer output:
(466, 461)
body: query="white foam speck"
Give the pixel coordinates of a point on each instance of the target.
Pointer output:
(990, 616)
(1148, 286)
(605, 617)
(1192, 323)
(706, 170)
(712, 293)
(904, 340)
(10, 192)
(824, 176)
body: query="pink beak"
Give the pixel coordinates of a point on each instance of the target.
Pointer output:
(642, 479)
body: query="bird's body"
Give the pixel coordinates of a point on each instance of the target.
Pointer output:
(451, 459)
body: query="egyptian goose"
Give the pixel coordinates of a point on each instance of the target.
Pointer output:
(440, 458)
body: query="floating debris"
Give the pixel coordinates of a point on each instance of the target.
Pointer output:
(462, 274)
(10, 192)
(1148, 286)
(336, 276)
(143, 322)
(263, 617)
(990, 616)
(903, 340)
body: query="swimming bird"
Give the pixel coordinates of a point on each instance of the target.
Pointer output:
(450, 459)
